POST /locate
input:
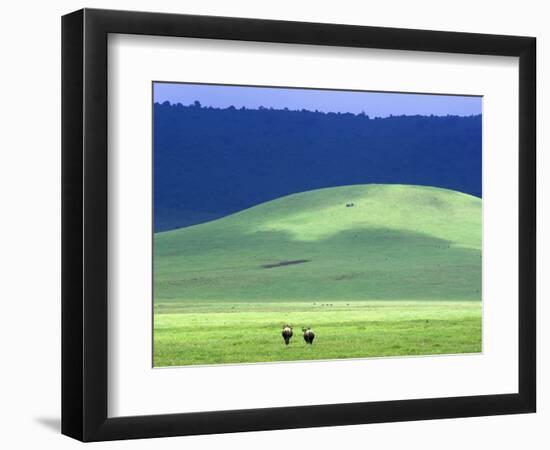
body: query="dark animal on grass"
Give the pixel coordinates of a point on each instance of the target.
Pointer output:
(349, 205)
(309, 335)
(287, 334)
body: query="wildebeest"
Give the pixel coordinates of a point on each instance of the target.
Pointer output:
(349, 205)
(287, 333)
(309, 335)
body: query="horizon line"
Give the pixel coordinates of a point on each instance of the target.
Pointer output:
(316, 111)
(353, 101)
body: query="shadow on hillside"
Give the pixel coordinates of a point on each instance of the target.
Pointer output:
(356, 264)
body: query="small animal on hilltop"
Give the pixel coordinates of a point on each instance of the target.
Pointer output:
(287, 334)
(309, 335)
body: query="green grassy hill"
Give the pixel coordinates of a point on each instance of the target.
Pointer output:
(396, 242)
(397, 273)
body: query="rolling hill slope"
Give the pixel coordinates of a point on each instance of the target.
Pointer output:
(396, 272)
(396, 242)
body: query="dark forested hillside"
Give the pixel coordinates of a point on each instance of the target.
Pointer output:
(211, 162)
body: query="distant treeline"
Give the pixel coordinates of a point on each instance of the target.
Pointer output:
(210, 162)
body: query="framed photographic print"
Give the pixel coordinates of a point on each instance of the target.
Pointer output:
(273, 224)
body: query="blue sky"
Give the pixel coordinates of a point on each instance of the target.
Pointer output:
(375, 104)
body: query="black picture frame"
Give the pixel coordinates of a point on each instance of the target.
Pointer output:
(84, 224)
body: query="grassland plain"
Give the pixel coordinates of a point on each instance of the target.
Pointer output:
(396, 272)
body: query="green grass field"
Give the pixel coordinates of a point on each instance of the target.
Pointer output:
(399, 273)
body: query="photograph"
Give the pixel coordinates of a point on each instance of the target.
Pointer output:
(261, 225)
(299, 223)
